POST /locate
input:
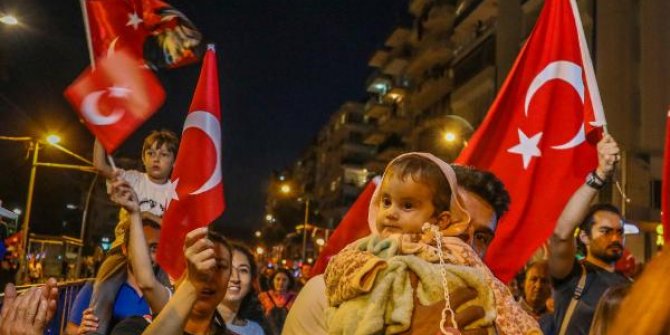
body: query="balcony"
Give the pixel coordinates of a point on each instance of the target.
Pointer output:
(428, 58)
(379, 59)
(376, 138)
(399, 37)
(472, 13)
(376, 109)
(430, 92)
(395, 67)
(394, 123)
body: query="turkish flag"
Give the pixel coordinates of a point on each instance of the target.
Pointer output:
(197, 179)
(540, 134)
(665, 188)
(149, 29)
(116, 98)
(354, 225)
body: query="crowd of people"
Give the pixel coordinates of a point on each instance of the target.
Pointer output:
(420, 271)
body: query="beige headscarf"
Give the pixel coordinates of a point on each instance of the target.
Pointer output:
(460, 218)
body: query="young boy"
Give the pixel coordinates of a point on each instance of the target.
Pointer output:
(394, 280)
(153, 187)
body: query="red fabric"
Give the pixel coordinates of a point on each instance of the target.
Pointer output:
(665, 189)
(541, 184)
(116, 98)
(109, 21)
(354, 225)
(126, 24)
(198, 198)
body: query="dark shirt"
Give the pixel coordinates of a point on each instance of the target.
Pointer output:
(136, 325)
(598, 280)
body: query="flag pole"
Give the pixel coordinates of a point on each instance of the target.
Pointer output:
(84, 13)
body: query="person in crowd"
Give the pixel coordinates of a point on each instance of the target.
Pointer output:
(607, 309)
(154, 191)
(484, 197)
(578, 286)
(278, 300)
(536, 289)
(30, 312)
(240, 308)
(266, 277)
(305, 270)
(399, 278)
(645, 310)
(193, 307)
(129, 299)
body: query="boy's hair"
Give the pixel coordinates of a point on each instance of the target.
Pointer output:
(423, 170)
(145, 223)
(160, 137)
(484, 184)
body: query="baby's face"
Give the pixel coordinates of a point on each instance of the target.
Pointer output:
(404, 206)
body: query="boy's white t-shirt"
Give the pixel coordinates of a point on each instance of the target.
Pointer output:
(153, 198)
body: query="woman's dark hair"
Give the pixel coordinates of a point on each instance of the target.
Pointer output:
(291, 280)
(250, 307)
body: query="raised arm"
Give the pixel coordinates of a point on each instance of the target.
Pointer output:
(562, 242)
(100, 160)
(138, 253)
(201, 264)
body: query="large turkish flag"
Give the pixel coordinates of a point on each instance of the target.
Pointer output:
(197, 179)
(540, 134)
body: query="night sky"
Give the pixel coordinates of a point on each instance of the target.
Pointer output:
(284, 66)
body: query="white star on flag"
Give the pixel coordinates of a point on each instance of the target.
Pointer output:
(527, 147)
(134, 20)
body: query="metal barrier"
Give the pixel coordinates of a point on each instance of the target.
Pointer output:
(67, 291)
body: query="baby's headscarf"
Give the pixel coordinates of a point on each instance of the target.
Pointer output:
(460, 218)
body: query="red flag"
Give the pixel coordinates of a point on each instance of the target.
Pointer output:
(149, 29)
(116, 98)
(665, 188)
(198, 197)
(354, 225)
(540, 134)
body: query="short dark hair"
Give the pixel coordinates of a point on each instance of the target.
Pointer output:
(484, 184)
(423, 170)
(589, 219)
(160, 137)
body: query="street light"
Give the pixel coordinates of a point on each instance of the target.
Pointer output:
(51, 140)
(285, 188)
(9, 20)
(449, 137)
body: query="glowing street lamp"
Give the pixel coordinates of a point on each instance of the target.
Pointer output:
(258, 233)
(53, 139)
(450, 137)
(260, 250)
(285, 188)
(9, 20)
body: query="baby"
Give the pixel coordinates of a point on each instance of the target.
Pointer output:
(413, 259)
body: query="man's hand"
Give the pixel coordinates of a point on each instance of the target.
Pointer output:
(123, 195)
(89, 322)
(50, 293)
(608, 156)
(200, 257)
(29, 313)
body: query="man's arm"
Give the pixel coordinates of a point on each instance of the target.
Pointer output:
(157, 295)
(201, 263)
(100, 160)
(562, 243)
